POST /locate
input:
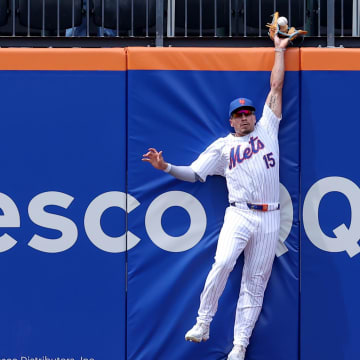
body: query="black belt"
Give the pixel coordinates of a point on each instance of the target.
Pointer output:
(261, 207)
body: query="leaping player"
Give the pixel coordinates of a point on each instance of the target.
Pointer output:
(249, 160)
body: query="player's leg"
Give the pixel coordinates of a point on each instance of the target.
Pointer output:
(232, 240)
(259, 256)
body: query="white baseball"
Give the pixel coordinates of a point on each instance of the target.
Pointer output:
(282, 21)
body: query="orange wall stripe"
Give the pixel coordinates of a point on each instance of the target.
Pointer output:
(226, 59)
(330, 59)
(62, 59)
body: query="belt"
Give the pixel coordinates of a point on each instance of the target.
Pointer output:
(259, 207)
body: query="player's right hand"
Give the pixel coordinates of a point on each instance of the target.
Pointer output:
(155, 158)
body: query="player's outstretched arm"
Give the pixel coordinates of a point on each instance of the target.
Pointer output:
(274, 99)
(155, 158)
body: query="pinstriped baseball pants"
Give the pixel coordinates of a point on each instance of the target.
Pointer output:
(256, 233)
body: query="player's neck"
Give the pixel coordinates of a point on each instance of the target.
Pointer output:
(241, 135)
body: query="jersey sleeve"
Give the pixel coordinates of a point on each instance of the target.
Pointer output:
(269, 121)
(210, 162)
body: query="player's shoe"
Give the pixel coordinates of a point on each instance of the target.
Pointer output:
(237, 353)
(199, 332)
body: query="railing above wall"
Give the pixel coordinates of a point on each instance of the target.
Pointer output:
(109, 23)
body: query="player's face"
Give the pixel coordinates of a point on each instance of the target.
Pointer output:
(243, 122)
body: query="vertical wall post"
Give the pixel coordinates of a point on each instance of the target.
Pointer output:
(159, 41)
(330, 23)
(355, 27)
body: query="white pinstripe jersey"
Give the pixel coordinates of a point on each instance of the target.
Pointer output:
(249, 163)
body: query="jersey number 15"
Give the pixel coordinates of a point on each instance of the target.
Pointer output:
(269, 160)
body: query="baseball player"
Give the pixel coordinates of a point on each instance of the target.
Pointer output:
(249, 160)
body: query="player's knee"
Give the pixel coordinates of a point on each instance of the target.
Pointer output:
(224, 265)
(257, 284)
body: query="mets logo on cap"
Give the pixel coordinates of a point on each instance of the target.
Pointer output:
(239, 103)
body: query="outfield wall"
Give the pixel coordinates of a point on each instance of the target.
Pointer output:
(104, 257)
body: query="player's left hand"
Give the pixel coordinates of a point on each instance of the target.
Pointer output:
(281, 42)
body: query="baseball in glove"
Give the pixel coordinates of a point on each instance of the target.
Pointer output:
(279, 26)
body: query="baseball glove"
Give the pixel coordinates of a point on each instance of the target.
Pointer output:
(283, 31)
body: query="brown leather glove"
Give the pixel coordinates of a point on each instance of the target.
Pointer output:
(284, 30)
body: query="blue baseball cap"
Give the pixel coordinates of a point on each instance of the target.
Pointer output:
(241, 103)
